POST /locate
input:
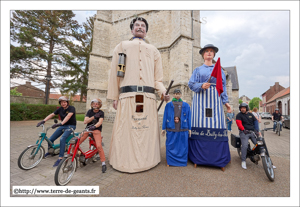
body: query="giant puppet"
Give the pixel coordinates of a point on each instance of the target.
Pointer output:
(177, 124)
(208, 144)
(136, 73)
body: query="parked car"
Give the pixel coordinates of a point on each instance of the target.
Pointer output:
(266, 115)
(286, 122)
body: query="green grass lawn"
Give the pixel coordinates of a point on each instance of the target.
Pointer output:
(80, 117)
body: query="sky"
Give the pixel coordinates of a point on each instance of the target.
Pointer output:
(256, 42)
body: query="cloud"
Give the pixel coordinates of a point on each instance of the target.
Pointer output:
(256, 42)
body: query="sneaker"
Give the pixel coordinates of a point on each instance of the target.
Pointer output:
(244, 165)
(103, 168)
(274, 167)
(47, 154)
(57, 163)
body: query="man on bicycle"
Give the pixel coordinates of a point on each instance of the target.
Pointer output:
(276, 117)
(247, 123)
(95, 113)
(68, 117)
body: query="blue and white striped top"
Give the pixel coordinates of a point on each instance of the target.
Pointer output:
(201, 75)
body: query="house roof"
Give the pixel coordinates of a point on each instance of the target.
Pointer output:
(245, 97)
(233, 77)
(28, 85)
(280, 94)
(74, 98)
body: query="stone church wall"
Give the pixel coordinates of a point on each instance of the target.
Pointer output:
(176, 34)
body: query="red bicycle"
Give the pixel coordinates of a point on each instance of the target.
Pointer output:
(68, 166)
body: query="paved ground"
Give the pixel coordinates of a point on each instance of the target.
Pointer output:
(160, 181)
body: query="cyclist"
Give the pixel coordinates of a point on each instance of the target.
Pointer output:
(95, 113)
(277, 117)
(246, 122)
(68, 117)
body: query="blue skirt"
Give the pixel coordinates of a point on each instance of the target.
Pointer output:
(208, 144)
(177, 148)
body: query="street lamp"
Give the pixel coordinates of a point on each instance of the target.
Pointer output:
(48, 78)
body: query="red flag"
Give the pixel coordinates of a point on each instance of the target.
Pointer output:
(217, 73)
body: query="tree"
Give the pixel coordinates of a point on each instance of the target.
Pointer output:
(254, 103)
(41, 36)
(14, 92)
(240, 101)
(76, 79)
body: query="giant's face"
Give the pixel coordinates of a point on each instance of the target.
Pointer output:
(139, 29)
(208, 54)
(177, 95)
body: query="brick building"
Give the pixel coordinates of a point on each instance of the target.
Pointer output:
(74, 98)
(28, 90)
(280, 100)
(266, 96)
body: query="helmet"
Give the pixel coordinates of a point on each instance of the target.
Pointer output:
(63, 98)
(244, 105)
(277, 109)
(96, 100)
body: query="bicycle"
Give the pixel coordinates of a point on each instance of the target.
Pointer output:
(277, 128)
(34, 154)
(68, 166)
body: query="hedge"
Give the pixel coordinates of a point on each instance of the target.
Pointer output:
(22, 111)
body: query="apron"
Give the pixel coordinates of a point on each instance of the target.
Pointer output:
(208, 144)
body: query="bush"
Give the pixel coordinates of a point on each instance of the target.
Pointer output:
(80, 117)
(22, 111)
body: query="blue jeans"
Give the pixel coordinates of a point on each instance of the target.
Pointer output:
(65, 134)
(275, 124)
(229, 125)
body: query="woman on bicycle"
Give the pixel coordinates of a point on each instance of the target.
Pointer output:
(95, 113)
(68, 117)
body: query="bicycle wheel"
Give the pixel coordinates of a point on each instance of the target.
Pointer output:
(65, 171)
(278, 129)
(239, 152)
(27, 160)
(268, 167)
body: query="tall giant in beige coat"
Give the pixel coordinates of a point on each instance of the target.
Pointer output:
(135, 141)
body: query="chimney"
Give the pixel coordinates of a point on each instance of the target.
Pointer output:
(276, 87)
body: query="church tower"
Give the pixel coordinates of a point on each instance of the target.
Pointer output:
(176, 34)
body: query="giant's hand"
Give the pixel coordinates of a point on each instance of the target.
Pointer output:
(190, 133)
(228, 108)
(205, 86)
(166, 97)
(163, 132)
(115, 104)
